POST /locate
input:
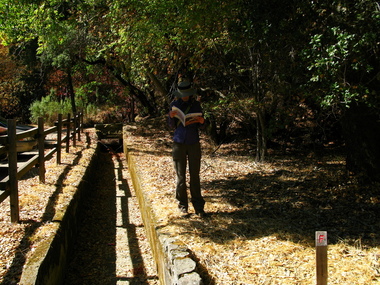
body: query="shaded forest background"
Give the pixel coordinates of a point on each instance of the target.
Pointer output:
(285, 74)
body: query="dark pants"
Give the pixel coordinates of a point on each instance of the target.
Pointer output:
(181, 154)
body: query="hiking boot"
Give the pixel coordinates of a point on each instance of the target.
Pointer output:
(183, 210)
(202, 214)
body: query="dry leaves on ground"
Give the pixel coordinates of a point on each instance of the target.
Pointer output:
(264, 215)
(38, 203)
(263, 220)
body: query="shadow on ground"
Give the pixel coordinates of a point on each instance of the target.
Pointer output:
(25, 244)
(292, 204)
(95, 257)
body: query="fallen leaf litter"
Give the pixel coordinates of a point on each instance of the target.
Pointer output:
(263, 216)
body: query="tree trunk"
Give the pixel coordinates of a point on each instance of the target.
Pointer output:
(261, 147)
(71, 91)
(157, 84)
(361, 131)
(212, 130)
(139, 95)
(261, 142)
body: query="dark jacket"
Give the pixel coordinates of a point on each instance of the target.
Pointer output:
(190, 133)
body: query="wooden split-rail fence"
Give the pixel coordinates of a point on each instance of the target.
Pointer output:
(16, 169)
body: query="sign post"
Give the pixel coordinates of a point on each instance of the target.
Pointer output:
(321, 257)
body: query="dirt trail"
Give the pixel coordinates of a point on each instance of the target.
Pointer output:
(111, 246)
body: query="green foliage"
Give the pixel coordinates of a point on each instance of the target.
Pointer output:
(16, 20)
(342, 55)
(239, 50)
(49, 108)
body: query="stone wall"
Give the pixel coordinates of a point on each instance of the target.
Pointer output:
(49, 260)
(174, 262)
(48, 263)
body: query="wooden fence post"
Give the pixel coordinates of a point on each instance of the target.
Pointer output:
(75, 120)
(41, 150)
(68, 125)
(80, 123)
(12, 171)
(59, 138)
(321, 257)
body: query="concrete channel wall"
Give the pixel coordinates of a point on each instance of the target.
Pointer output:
(49, 260)
(174, 262)
(48, 263)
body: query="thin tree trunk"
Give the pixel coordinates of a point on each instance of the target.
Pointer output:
(71, 91)
(139, 95)
(261, 147)
(261, 144)
(157, 84)
(361, 130)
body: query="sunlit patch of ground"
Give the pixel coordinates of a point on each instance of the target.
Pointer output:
(264, 215)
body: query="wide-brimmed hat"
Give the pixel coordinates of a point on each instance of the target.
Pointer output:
(184, 89)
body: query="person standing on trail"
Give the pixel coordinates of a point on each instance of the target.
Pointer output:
(186, 147)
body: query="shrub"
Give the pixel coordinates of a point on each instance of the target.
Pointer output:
(49, 108)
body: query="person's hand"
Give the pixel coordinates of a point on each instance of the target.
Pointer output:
(193, 120)
(201, 120)
(3, 131)
(172, 114)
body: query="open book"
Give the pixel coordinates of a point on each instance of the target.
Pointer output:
(184, 118)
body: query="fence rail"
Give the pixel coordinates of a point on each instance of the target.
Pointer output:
(16, 170)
